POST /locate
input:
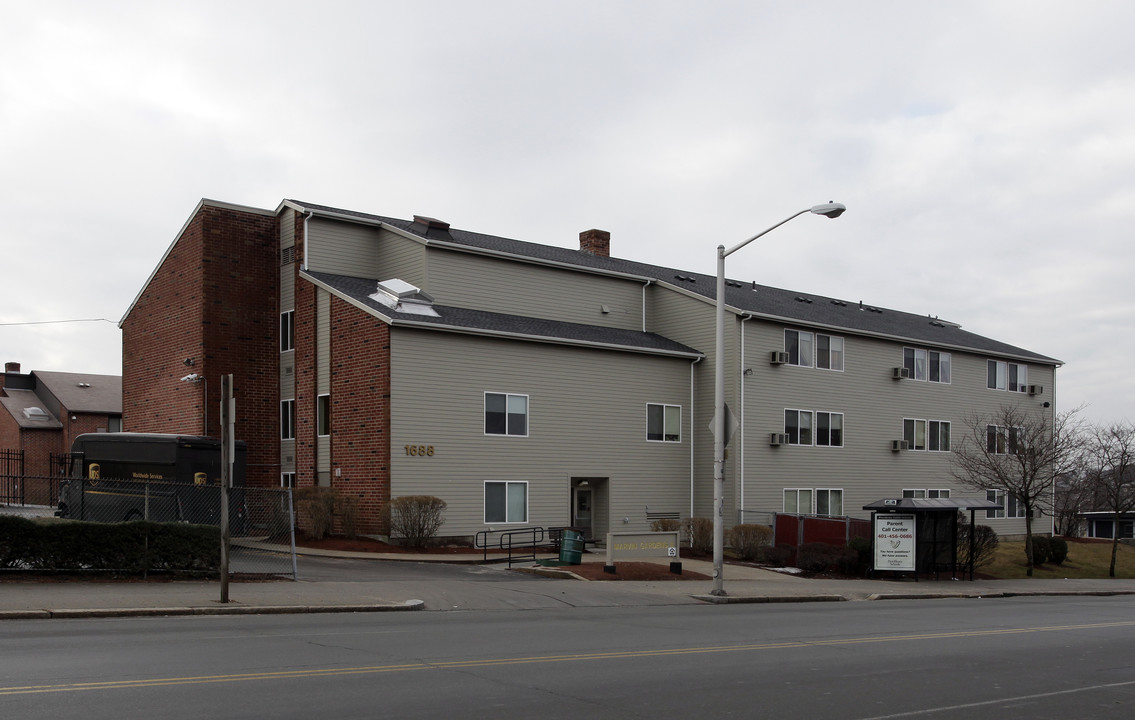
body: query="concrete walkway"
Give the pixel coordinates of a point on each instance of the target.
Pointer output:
(489, 587)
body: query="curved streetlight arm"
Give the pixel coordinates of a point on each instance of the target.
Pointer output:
(831, 210)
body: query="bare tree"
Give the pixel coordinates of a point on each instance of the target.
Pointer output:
(1111, 472)
(1072, 495)
(1017, 452)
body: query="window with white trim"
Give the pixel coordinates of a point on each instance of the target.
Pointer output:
(829, 429)
(1001, 440)
(1014, 508)
(927, 365)
(798, 426)
(1002, 375)
(798, 345)
(506, 502)
(323, 415)
(932, 435)
(287, 419)
(798, 500)
(288, 480)
(829, 352)
(926, 493)
(663, 423)
(506, 414)
(287, 331)
(829, 501)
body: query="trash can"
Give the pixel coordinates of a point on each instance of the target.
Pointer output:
(571, 547)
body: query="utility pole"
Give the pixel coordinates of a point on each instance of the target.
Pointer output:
(228, 452)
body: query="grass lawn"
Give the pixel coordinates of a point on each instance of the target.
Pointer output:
(1087, 558)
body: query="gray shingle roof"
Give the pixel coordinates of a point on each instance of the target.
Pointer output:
(359, 291)
(763, 301)
(84, 392)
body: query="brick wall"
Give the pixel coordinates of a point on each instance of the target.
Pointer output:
(213, 299)
(360, 411)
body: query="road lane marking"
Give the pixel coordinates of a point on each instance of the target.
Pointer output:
(498, 662)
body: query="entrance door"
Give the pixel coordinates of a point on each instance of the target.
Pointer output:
(581, 511)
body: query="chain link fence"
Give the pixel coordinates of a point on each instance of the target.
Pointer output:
(261, 520)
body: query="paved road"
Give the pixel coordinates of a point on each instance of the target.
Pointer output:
(973, 659)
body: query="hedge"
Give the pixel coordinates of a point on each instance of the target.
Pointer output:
(135, 547)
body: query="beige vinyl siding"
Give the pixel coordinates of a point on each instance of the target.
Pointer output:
(874, 406)
(586, 418)
(401, 257)
(465, 280)
(691, 321)
(342, 248)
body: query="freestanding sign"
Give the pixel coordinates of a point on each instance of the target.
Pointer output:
(894, 542)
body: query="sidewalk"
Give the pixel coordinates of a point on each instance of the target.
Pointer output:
(489, 587)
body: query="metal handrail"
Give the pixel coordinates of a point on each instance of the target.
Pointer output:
(535, 534)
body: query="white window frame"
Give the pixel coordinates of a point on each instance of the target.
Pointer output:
(926, 492)
(323, 415)
(1006, 440)
(832, 358)
(803, 338)
(917, 363)
(911, 435)
(288, 480)
(997, 496)
(795, 492)
(288, 419)
(668, 411)
(1006, 376)
(287, 331)
(508, 502)
(1014, 508)
(508, 397)
(936, 432)
(816, 437)
(799, 426)
(945, 367)
(828, 492)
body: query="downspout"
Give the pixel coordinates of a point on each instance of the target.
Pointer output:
(741, 424)
(645, 285)
(306, 244)
(692, 385)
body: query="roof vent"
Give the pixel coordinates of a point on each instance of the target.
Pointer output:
(401, 296)
(430, 222)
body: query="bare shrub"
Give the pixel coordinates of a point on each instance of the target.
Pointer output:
(750, 542)
(666, 525)
(347, 510)
(416, 519)
(315, 510)
(984, 544)
(699, 532)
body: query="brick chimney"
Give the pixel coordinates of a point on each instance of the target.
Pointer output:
(13, 367)
(595, 242)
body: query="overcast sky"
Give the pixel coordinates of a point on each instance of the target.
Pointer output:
(985, 150)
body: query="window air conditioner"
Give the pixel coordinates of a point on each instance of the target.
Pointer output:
(775, 439)
(778, 358)
(900, 373)
(1036, 390)
(897, 445)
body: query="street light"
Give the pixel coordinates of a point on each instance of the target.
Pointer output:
(832, 210)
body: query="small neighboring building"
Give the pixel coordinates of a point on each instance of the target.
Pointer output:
(535, 385)
(44, 411)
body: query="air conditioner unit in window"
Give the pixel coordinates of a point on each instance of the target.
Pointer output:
(778, 358)
(900, 373)
(897, 445)
(775, 439)
(1036, 390)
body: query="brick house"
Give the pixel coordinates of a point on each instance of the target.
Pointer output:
(528, 384)
(43, 412)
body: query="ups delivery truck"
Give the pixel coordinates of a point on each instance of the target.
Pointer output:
(152, 476)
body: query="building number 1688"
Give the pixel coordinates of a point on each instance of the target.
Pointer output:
(419, 450)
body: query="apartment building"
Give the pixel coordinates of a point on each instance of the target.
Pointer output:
(534, 385)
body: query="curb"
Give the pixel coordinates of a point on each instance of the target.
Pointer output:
(409, 605)
(738, 599)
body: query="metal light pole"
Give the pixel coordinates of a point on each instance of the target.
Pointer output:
(832, 210)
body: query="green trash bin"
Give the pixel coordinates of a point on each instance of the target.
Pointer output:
(571, 547)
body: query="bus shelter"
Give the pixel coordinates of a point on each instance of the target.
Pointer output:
(935, 543)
